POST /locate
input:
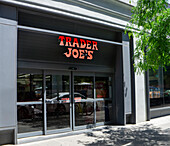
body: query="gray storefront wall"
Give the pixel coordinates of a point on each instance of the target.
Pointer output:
(124, 90)
(8, 73)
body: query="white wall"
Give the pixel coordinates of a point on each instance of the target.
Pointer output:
(140, 96)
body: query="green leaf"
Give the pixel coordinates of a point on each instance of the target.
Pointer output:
(153, 45)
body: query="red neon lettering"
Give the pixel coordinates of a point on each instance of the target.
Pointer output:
(68, 54)
(75, 43)
(88, 44)
(81, 54)
(90, 56)
(83, 43)
(75, 53)
(68, 42)
(62, 38)
(94, 45)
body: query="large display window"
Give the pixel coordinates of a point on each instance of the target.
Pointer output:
(29, 102)
(56, 101)
(159, 87)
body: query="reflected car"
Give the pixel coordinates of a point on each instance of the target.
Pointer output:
(56, 106)
(167, 97)
(61, 104)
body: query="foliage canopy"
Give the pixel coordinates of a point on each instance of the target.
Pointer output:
(150, 25)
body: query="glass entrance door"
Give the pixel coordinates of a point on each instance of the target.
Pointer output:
(84, 101)
(58, 105)
(63, 92)
(55, 101)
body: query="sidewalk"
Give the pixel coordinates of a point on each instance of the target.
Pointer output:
(154, 132)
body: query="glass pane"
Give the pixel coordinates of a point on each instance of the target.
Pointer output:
(102, 87)
(58, 101)
(29, 87)
(30, 118)
(103, 111)
(57, 87)
(100, 111)
(167, 86)
(83, 87)
(84, 113)
(58, 116)
(156, 100)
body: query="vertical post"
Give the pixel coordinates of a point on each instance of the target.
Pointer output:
(161, 83)
(94, 90)
(44, 104)
(147, 95)
(118, 105)
(72, 100)
(133, 115)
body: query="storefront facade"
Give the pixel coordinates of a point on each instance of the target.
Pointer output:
(66, 66)
(63, 84)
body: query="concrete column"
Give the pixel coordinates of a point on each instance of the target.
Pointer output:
(8, 75)
(140, 95)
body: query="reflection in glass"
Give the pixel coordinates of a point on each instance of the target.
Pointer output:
(100, 111)
(156, 99)
(57, 87)
(102, 87)
(30, 118)
(84, 85)
(154, 86)
(103, 111)
(167, 86)
(159, 88)
(58, 101)
(29, 87)
(58, 116)
(84, 113)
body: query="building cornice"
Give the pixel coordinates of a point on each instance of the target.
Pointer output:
(92, 16)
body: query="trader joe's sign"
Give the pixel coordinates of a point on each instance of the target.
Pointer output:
(78, 48)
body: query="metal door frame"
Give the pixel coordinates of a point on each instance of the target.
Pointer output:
(56, 72)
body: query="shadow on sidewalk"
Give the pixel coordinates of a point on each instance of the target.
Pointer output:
(146, 135)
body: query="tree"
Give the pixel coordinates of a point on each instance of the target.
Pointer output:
(150, 25)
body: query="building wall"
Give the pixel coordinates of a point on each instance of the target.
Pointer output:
(8, 70)
(140, 94)
(140, 98)
(112, 14)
